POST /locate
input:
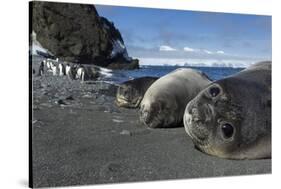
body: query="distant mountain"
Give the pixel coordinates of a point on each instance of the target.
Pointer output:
(218, 65)
(76, 33)
(196, 62)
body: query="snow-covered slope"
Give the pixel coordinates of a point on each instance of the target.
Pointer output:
(198, 62)
(36, 47)
(119, 48)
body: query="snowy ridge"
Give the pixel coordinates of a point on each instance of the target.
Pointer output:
(198, 62)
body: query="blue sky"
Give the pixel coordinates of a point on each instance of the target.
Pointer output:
(162, 33)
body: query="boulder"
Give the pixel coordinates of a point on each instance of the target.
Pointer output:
(76, 33)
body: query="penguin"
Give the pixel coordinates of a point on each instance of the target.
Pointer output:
(41, 69)
(80, 73)
(54, 69)
(70, 71)
(61, 69)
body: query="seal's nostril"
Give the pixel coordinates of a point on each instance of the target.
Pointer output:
(194, 112)
(196, 119)
(214, 91)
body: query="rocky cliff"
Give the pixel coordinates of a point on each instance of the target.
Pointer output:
(76, 33)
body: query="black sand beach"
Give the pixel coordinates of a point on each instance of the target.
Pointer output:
(79, 137)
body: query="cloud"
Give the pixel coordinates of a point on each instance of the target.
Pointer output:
(166, 48)
(188, 49)
(208, 52)
(220, 52)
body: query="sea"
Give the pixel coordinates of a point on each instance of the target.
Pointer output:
(214, 73)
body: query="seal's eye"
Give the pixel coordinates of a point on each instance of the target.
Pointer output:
(214, 91)
(227, 130)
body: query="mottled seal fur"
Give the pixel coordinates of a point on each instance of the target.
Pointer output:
(165, 100)
(231, 118)
(130, 93)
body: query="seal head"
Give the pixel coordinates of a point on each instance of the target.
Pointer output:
(164, 102)
(231, 118)
(130, 93)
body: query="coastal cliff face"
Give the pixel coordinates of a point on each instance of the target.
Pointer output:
(76, 33)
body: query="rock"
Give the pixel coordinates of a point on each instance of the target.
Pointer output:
(60, 102)
(76, 33)
(87, 96)
(34, 121)
(120, 65)
(117, 120)
(126, 132)
(69, 98)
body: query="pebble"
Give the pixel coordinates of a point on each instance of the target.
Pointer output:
(125, 132)
(117, 120)
(46, 104)
(69, 98)
(60, 102)
(87, 96)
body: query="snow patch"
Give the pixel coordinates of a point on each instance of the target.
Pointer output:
(36, 47)
(119, 48)
(106, 72)
(106, 26)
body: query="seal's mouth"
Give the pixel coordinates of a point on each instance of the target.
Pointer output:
(150, 116)
(195, 125)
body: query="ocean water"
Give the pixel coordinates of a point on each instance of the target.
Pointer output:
(213, 73)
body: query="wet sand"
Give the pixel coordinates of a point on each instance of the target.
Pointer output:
(81, 137)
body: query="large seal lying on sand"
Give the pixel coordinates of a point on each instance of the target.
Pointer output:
(165, 100)
(130, 93)
(231, 118)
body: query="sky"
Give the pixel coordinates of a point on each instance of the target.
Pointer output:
(151, 34)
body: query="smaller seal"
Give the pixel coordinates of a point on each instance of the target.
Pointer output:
(130, 93)
(165, 100)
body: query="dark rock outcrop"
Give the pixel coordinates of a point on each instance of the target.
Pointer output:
(76, 33)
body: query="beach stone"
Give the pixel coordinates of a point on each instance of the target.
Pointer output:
(69, 98)
(125, 132)
(60, 102)
(117, 120)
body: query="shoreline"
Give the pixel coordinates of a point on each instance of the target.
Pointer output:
(79, 136)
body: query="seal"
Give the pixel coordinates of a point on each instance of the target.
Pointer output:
(165, 100)
(130, 93)
(231, 118)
